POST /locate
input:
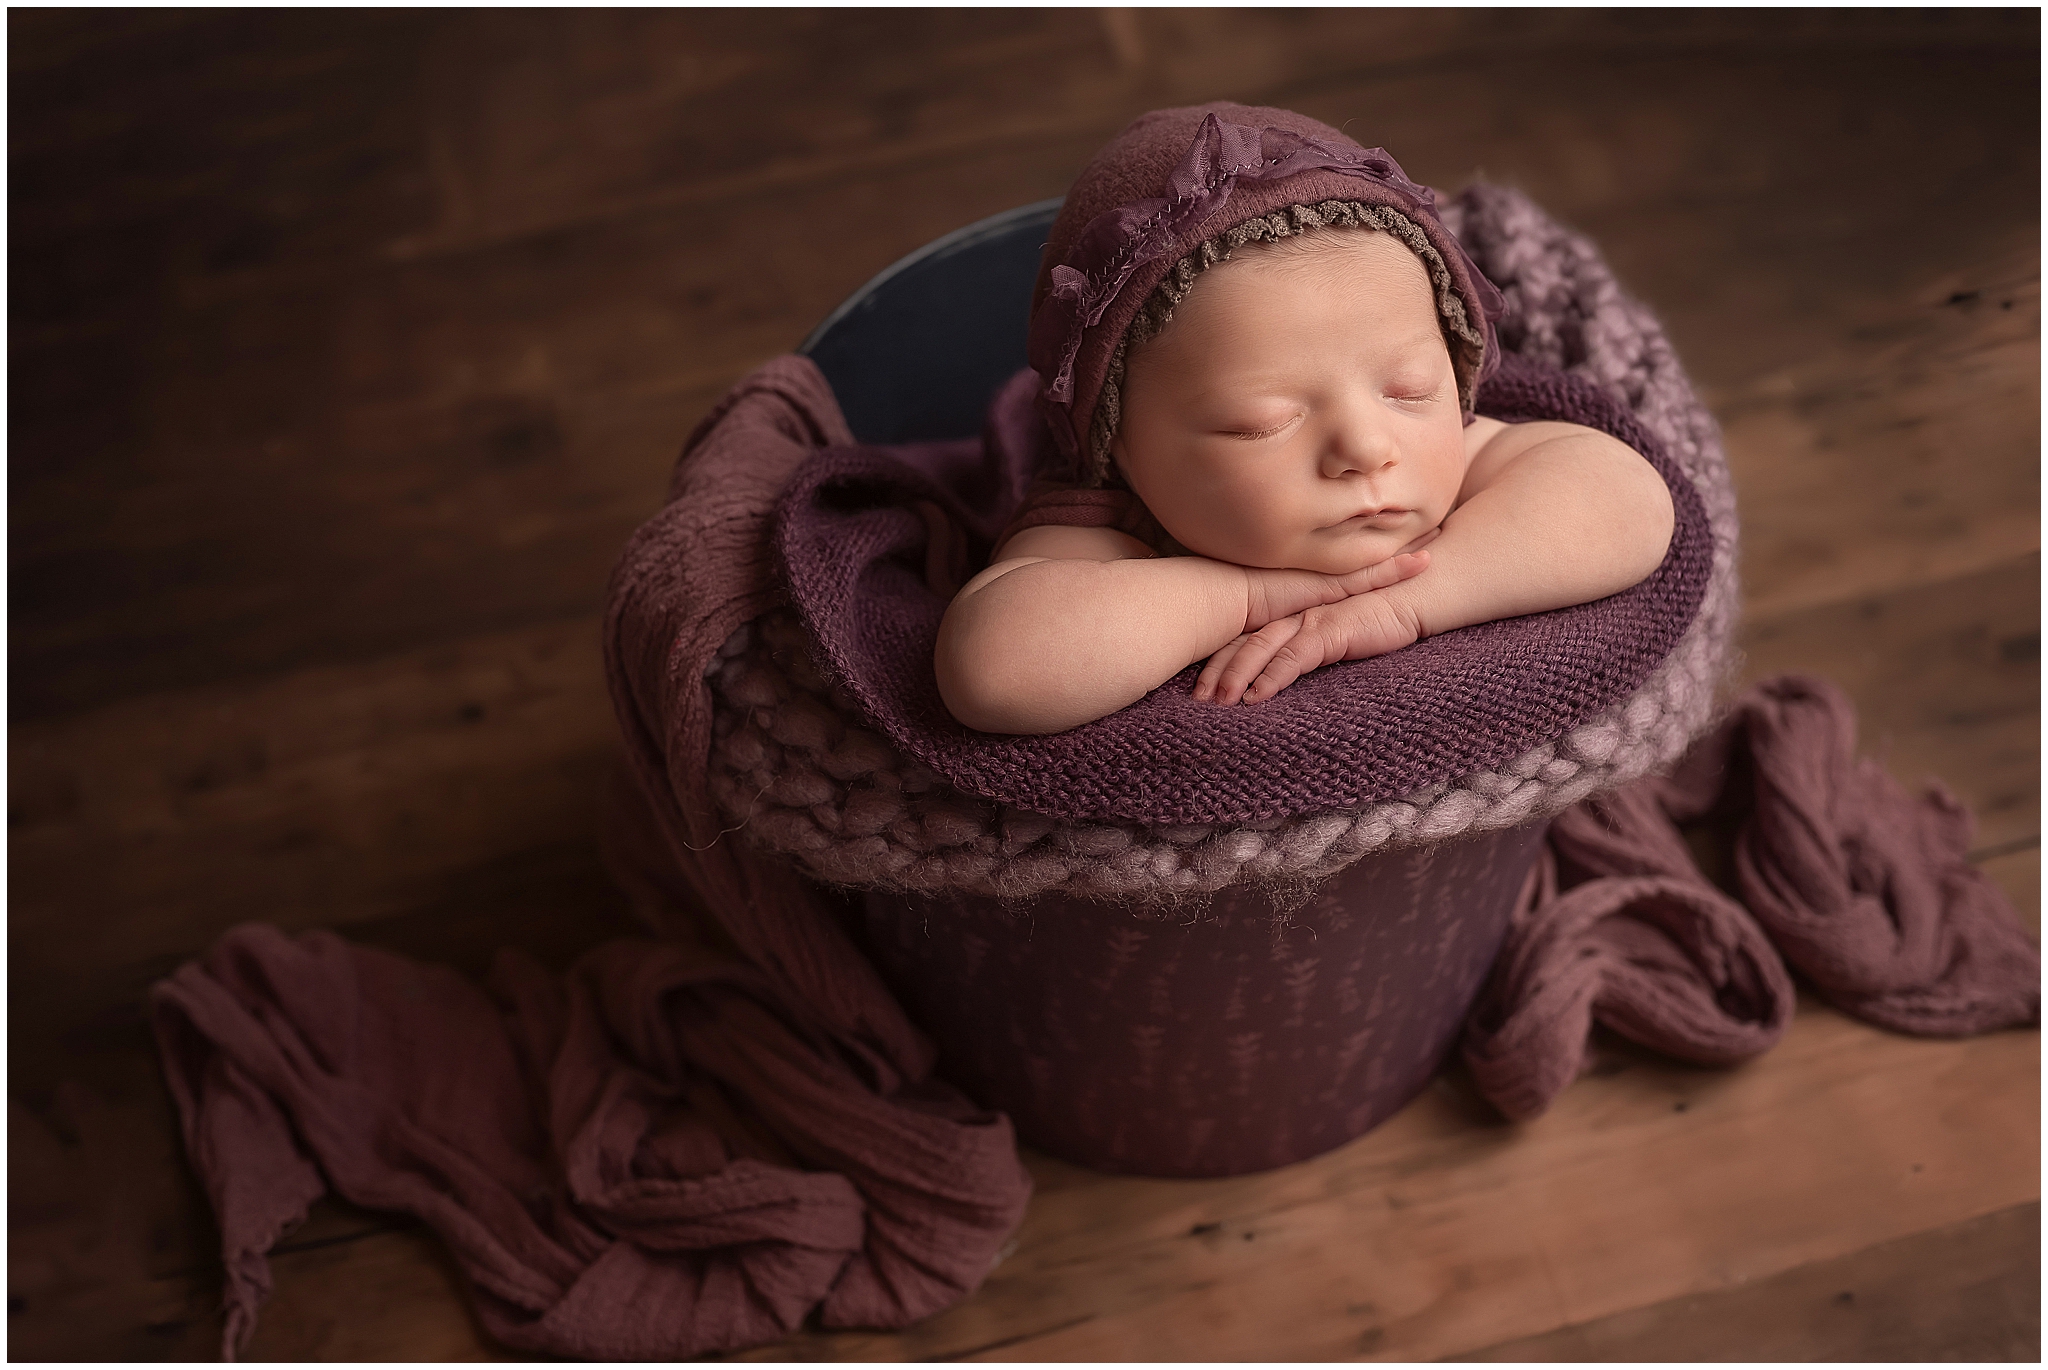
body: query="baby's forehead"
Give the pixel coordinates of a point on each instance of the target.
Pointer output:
(1304, 301)
(1351, 252)
(1332, 295)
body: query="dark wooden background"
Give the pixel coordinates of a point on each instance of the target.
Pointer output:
(346, 348)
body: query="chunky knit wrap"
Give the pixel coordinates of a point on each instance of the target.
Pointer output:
(702, 1143)
(798, 758)
(856, 559)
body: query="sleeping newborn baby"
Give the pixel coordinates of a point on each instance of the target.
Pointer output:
(1288, 473)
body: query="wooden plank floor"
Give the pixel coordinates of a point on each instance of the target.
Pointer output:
(348, 347)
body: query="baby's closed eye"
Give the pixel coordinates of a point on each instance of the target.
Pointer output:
(1415, 389)
(1255, 433)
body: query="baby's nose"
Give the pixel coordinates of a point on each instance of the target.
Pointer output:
(1363, 449)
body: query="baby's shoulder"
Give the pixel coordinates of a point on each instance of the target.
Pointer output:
(1493, 447)
(1479, 431)
(1064, 505)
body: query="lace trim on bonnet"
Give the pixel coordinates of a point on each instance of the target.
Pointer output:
(1466, 342)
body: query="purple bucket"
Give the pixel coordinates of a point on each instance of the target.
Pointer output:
(1214, 1044)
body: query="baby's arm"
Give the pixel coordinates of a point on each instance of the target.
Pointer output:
(1072, 624)
(1550, 515)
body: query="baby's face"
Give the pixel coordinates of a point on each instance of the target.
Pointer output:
(1300, 410)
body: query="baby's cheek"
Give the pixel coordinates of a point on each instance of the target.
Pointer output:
(1245, 534)
(1439, 499)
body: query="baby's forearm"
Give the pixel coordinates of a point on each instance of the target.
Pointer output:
(1050, 644)
(1574, 519)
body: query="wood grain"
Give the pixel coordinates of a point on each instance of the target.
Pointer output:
(493, 416)
(467, 777)
(1968, 1291)
(347, 347)
(1443, 1231)
(454, 776)
(1931, 469)
(2018, 873)
(1947, 681)
(104, 1255)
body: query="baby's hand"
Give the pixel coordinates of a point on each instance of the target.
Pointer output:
(1257, 666)
(1272, 595)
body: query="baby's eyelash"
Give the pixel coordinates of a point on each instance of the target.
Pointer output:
(1245, 436)
(1415, 394)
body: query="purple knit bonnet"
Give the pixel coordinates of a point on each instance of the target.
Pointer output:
(1172, 195)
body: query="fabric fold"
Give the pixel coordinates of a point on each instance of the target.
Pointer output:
(644, 1158)
(1863, 890)
(854, 558)
(697, 1143)
(1867, 889)
(676, 1148)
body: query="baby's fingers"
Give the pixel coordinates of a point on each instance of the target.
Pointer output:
(1392, 571)
(1283, 670)
(1301, 653)
(1250, 655)
(1205, 683)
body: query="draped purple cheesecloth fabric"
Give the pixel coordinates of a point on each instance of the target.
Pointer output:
(691, 1144)
(1840, 875)
(678, 1146)
(1122, 1038)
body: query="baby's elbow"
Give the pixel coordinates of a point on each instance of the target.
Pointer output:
(993, 684)
(976, 700)
(1648, 515)
(979, 683)
(1658, 517)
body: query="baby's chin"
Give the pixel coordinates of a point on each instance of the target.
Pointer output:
(1325, 561)
(1353, 550)
(1326, 551)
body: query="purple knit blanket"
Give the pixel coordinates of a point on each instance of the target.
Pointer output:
(854, 552)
